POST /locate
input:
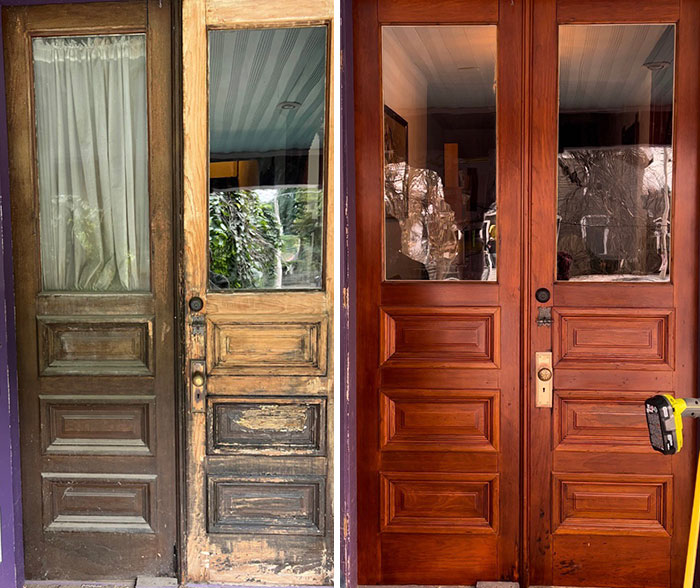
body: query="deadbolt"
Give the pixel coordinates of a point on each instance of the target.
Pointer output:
(544, 374)
(542, 295)
(196, 304)
(198, 379)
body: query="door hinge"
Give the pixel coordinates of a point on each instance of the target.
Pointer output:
(176, 559)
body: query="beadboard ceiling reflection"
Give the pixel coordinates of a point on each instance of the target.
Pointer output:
(457, 63)
(603, 65)
(267, 91)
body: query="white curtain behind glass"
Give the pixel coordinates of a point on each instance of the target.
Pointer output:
(92, 152)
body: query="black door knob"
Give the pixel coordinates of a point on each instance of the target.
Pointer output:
(196, 304)
(542, 295)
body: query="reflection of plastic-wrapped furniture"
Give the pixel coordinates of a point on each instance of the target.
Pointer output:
(429, 235)
(488, 237)
(595, 231)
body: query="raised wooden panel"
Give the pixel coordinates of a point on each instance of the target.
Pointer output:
(428, 502)
(613, 338)
(280, 505)
(612, 504)
(439, 420)
(603, 560)
(269, 346)
(271, 426)
(440, 337)
(97, 425)
(600, 421)
(98, 503)
(94, 346)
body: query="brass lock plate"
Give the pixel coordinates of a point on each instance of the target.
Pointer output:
(198, 385)
(543, 379)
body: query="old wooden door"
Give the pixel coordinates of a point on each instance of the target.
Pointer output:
(88, 92)
(526, 184)
(259, 291)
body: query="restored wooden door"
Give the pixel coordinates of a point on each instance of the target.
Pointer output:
(526, 199)
(614, 192)
(438, 381)
(259, 291)
(88, 93)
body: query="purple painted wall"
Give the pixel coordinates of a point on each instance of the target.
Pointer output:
(348, 478)
(12, 565)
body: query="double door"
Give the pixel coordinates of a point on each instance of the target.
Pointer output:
(173, 286)
(527, 275)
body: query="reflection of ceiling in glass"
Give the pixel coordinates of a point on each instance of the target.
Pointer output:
(456, 63)
(267, 90)
(602, 67)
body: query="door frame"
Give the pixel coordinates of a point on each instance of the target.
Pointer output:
(348, 311)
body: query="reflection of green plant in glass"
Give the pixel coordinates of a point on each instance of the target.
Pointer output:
(244, 240)
(301, 214)
(268, 238)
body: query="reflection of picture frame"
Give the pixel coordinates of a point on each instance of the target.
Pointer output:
(395, 137)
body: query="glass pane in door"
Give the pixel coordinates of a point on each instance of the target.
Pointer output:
(267, 112)
(615, 158)
(439, 88)
(92, 158)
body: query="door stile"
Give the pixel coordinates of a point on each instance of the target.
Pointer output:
(368, 106)
(195, 190)
(510, 190)
(685, 267)
(543, 147)
(525, 293)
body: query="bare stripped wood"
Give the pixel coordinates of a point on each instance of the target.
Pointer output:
(234, 385)
(437, 12)
(269, 302)
(195, 202)
(227, 14)
(269, 348)
(619, 11)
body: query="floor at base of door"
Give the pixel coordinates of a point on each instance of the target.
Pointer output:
(138, 583)
(149, 583)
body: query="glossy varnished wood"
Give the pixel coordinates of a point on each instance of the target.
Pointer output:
(438, 12)
(437, 380)
(614, 345)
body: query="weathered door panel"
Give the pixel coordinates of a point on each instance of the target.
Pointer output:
(259, 433)
(95, 359)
